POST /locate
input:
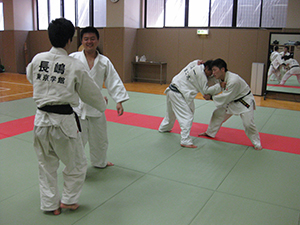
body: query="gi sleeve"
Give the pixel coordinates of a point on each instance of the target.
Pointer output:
(201, 83)
(114, 84)
(29, 73)
(89, 92)
(228, 95)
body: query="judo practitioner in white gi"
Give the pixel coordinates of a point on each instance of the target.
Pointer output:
(294, 69)
(235, 99)
(274, 69)
(284, 53)
(181, 93)
(58, 82)
(93, 122)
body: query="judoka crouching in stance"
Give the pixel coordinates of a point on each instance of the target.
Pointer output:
(58, 82)
(236, 99)
(194, 78)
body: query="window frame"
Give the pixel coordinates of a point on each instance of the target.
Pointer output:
(62, 12)
(233, 23)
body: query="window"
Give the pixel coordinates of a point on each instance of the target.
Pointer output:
(198, 13)
(42, 14)
(54, 9)
(1, 17)
(79, 12)
(99, 16)
(69, 10)
(83, 13)
(248, 13)
(216, 13)
(274, 13)
(221, 13)
(155, 13)
(175, 12)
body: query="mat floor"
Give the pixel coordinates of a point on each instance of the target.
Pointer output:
(155, 181)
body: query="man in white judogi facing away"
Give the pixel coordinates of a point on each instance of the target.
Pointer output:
(194, 78)
(58, 82)
(294, 69)
(235, 99)
(274, 69)
(94, 125)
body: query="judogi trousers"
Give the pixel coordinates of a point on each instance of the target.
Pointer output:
(94, 131)
(177, 108)
(220, 116)
(293, 71)
(51, 145)
(274, 73)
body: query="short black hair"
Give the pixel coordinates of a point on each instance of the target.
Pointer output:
(220, 63)
(60, 31)
(276, 48)
(89, 29)
(208, 64)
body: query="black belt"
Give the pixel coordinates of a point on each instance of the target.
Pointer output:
(173, 88)
(294, 66)
(241, 100)
(61, 109)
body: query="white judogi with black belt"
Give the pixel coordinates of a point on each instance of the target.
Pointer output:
(180, 105)
(236, 99)
(294, 70)
(94, 125)
(59, 80)
(274, 69)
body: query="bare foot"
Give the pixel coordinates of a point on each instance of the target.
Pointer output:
(204, 134)
(110, 164)
(167, 131)
(57, 212)
(258, 148)
(72, 206)
(107, 164)
(188, 146)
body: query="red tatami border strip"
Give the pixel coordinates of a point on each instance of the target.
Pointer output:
(280, 85)
(229, 135)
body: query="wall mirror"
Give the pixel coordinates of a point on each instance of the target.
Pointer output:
(287, 44)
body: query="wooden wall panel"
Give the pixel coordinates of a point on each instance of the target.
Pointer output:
(216, 44)
(8, 51)
(167, 50)
(114, 48)
(190, 47)
(1, 48)
(20, 39)
(262, 46)
(101, 40)
(146, 42)
(238, 47)
(242, 52)
(130, 50)
(37, 42)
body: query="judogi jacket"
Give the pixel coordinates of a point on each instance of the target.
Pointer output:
(292, 63)
(60, 80)
(192, 79)
(293, 66)
(102, 71)
(236, 97)
(275, 59)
